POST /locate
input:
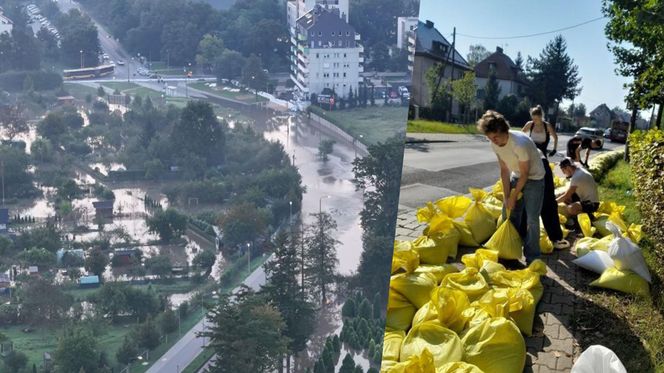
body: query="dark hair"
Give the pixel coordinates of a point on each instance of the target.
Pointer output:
(586, 143)
(567, 162)
(493, 122)
(537, 110)
(597, 142)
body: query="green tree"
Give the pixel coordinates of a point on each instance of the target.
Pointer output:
(348, 364)
(76, 350)
(96, 262)
(147, 335)
(325, 148)
(159, 265)
(39, 257)
(205, 260)
(476, 54)
(321, 254)
(246, 334)
(127, 351)
(52, 126)
(253, 75)
(380, 56)
(465, 92)
(229, 65)
(439, 91)
(13, 121)
(553, 76)
(41, 150)
(168, 224)
(243, 223)
(199, 132)
(16, 361)
(101, 92)
(168, 321)
(491, 92)
(80, 40)
(366, 310)
(209, 49)
(349, 309)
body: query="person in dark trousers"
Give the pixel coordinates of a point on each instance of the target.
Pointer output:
(582, 194)
(576, 144)
(541, 132)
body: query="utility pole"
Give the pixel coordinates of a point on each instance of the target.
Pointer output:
(452, 76)
(2, 164)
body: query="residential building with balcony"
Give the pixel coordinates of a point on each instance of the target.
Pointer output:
(405, 25)
(326, 54)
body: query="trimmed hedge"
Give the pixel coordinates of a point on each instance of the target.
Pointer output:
(601, 164)
(647, 162)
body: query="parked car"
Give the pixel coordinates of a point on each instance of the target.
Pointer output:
(120, 62)
(592, 133)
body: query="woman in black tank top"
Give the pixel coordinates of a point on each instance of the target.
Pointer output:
(541, 132)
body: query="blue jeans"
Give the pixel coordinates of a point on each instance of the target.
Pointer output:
(529, 205)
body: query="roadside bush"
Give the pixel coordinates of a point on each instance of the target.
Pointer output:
(647, 161)
(601, 164)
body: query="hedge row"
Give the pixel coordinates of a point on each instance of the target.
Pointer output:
(647, 162)
(601, 164)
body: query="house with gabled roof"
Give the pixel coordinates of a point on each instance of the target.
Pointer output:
(509, 76)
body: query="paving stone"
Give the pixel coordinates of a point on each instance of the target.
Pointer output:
(546, 359)
(565, 333)
(551, 331)
(564, 364)
(544, 369)
(562, 346)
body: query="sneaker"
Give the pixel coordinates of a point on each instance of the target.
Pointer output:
(561, 245)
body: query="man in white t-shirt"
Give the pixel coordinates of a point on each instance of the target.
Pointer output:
(582, 194)
(522, 170)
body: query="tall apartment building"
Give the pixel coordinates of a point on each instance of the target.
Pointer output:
(326, 53)
(405, 25)
(6, 24)
(297, 8)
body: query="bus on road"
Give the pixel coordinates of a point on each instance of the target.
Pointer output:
(88, 72)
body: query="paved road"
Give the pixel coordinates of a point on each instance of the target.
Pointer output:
(435, 170)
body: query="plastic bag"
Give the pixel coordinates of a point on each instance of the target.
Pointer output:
(587, 244)
(439, 271)
(546, 246)
(624, 281)
(444, 344)
(426, 213)
(528, 279)
(431, 250)
(515, 304)
(490, 267)
(458, 367)
(450, 305)
(404, 257)
(626, 255)
(479, 257)
(497, 191)
(495, 346)
(422, 363)
(481, 222)
(416, 287)
(442, 229)
(492, 204)
(400, 311)
(598, 359)
(427, 313)
(610, 207)
(455, 208)
(586, 227)
(596, 261)
(469, 281)
(392, 344)
(506, 241)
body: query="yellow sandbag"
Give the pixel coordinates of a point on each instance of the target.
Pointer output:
(528, 279)
(455, 208)
(400, 311)
(624, 281)
(610, 207)
(633, 232)
(479, 257)
(458, 367)
(470, 281)
(490, 267)
(506, 241)
(466, 238)
(586, 227)
(447, 238)
(426, 213)
(450, 305)
(392, 344)
(481, 222)
(422, 363)
(495, 346)
(497, 191)
(444, 344)
(493, 205)
(600, 226)
(562, 209)
(586, 244)
(546, 246)
(427, 313)
(431, 250)
(515, 304)
(439, 271)
(404, 257)
(564, 230)
(562, 218)
(416, 287)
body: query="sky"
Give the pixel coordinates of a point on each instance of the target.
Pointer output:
(586, 44)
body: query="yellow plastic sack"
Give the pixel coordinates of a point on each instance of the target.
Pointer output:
(479, 257)
(633, 232)
(444, 344)
(587, 244)
(426, 213)
(466, 238)
(439, 271)
(624, 281)
(392, 344)
(490, 267)
(400, 312)
(610, 207)
(458, 367)
(448, 239)
(515, 304)
(546, 246)
(404, 257)
(495, 346)
(431, 250)
(562, 218)
(564, 230)
(586, 227)
(449, 305)
(528, 279)
(506, 241)
(492, 204)
(481, 222)
(416, 287)
(455, 208)
(422, 363)
(427, 313)
(470, 281)
(497, 191)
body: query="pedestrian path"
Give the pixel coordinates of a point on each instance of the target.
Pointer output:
(553, 346)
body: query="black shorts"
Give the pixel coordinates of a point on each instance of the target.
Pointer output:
(586, 206)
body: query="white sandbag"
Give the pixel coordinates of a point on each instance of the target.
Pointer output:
(598, 359)
(596, 261)
(627, 255)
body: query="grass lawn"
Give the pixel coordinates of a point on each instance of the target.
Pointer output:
(199, 361)
(155, 96)
(243, 96)
(375, 124)
(630, 326)
(429, 126)
(79, 91)
(120, 85)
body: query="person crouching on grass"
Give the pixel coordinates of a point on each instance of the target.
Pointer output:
(582, 194)
(521, 169)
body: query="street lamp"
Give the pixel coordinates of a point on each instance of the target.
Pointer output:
(290, 212)
(81, 58)
(248, 257)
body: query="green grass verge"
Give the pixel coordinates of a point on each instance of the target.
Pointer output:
(199, 361)
(370, 125)
(79, 91)
(243, 96)
(630, 326)
(429, 126)
(120, 85)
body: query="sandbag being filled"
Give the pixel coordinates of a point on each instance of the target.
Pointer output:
(506, 241)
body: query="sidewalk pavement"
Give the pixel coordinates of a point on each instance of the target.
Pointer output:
(443, 137)
(553, 346)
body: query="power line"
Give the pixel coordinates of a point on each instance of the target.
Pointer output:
(531, 35)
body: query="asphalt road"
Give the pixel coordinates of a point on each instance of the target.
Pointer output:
(435, 170)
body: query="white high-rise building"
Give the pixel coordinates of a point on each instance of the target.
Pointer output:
(404, 26)
(327, 54)
(6, 24)
(298, 8)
